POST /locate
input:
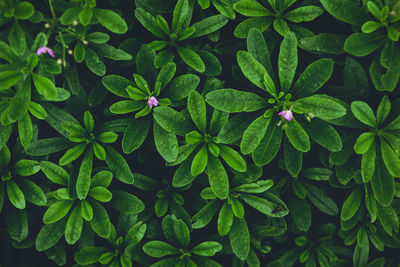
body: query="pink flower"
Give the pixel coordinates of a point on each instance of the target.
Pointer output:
(286, 114)
(152, 102)
(45, 50)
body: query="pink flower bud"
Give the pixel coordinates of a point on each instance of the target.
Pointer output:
(152, 102)
(286, 114)
(45, 50)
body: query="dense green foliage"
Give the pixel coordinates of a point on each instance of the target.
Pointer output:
(199, 133)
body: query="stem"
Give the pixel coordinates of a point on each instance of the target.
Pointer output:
(64, 47)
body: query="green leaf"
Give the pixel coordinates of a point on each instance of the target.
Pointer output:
(15, 195)
(24, 10)
(351, 204)
(269, 145)
(208, 25)
(212, 63)
(100, 223)
(317, 174)
(85, 16)
(263, 205)
(281, 26)
(239, 238)
(387, 59)
(19, 104)
(389, 219)
(9, 78)
(69, 15)
(25, 130)
(49, 235)
(218, 178)
(57, 211)
(360, 255)
(300, 211)
(111, 20)
(368, 163)
(304, 13)
(370, 26)
(16, 224)
(89, 255)
(159, 249)
(32, 192)
(108, 51)
(172, 121)
(86, 210)
(126, 106)
(191, 58)
(231, 100)
(117, 85)
(135, 134)
(205, 214)
(100, 194)
(313, 78)
(149, 22)
(320, 200)
(320, 106)
(166, 143)
(346, 10)
(233, 158)
(199, 162)
(257, 47)
(324, 43)
(72, 154)
(364, 142)
(261, 23)
(118, 165)
(79, 52)
(297, 136)
(54, 173)
(363, 44)
(207, 249)
(390, 158)
(126, 203)
(183, 175)
(287, 61)
(197, 109)
(225, 219)
(383, 110)
(323, 134)
(44, 86)
(254, 134)
(179, 15)
(224, 8)
(16, 38)
(94, 63)
(182, 233)
(181, 87)
(37, 110)
(251, 8)
(26, 167)
(73, 229)
(84, 176)
(98, 37)
(237, 208)
(252, 69)
(363, 113)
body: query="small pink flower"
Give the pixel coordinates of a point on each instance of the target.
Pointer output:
(45, 50)
(286, 114)
(152, 102)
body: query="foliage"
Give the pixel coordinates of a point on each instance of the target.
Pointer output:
(199, 133)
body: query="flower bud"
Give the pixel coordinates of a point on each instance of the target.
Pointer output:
(47, 25)
(59, 61)
(70, 52)
(75, 22)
